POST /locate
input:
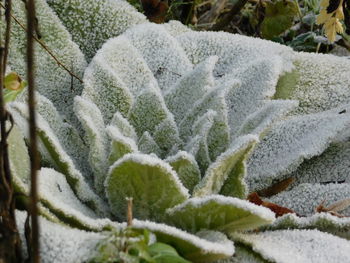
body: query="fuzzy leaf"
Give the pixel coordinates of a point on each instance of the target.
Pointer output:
(332, 166)
(215, 212)
(226, 174)
(304, 198)
(170, 63)
(208, 247)
(289, 143)
(322, 221)
(186, 167)
(56, 194)
(320, 82)
(95, 132)
(123, 126)
(92, 23)
(151, 182)
(59, 243)
(104, 88)
(259, 121)
(146, 144)
(19, 160)
(50, 146)
(120, 145)
(51, 80)
(190, 88)
(297, 246)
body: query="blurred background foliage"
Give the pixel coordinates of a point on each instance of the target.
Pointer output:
(289, 22)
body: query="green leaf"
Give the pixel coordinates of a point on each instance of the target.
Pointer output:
(120, 144)
(14, 85)
(151, 182)
(207, 246)
(227, 173)
(163, 253)
(219, 213)
(186, 167)
(279, 17)
(19, 160)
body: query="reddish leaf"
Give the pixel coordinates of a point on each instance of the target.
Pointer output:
(278, 210)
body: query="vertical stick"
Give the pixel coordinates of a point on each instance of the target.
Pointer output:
(129, 212)
(34, 161)
(10, 245)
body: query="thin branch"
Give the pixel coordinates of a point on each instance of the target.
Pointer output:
(10, 244)
(34, 160)
(7, 33)
(229, 16)
(42, 44)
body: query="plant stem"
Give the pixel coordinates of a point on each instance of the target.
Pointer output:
(34, 160)
(10, 244)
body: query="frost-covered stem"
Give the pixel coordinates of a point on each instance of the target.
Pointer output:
(228, 18)
(10, 245)
(34, 160)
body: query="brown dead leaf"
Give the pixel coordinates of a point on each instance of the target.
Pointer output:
(334, 208)
(277, 209)
(276, 188)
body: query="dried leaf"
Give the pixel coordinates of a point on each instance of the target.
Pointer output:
(276, 188)
(334, 208)
(278, 210)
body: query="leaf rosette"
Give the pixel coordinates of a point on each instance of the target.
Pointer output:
(187, 124)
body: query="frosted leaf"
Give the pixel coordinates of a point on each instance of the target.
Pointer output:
(68, 136)
(50, 146)
(218, 137)
(209, 247)
(166, 135)
(320, 82)
(61, 244)
(147, 145)
(148, 111)
(151, 182)
(333, 165)
(214, 100)
(119, 56)
(51, 80)
(233, 50)
(226, 174)
(103, 87)
(304, 198)
(258, 80)
(120, 145)
(190, 88)
(216, 212)
(123, 126)
(322, 221)
(176, 28)
(299, 246)
(92, 23)
(19, 160)
(261, 120)
(290, 142)
(198, 146)
(56, 194)
(163, 54)
(186, 167)
(91, 119)
(243, 254)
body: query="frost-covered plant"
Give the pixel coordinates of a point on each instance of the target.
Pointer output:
(187, 124)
